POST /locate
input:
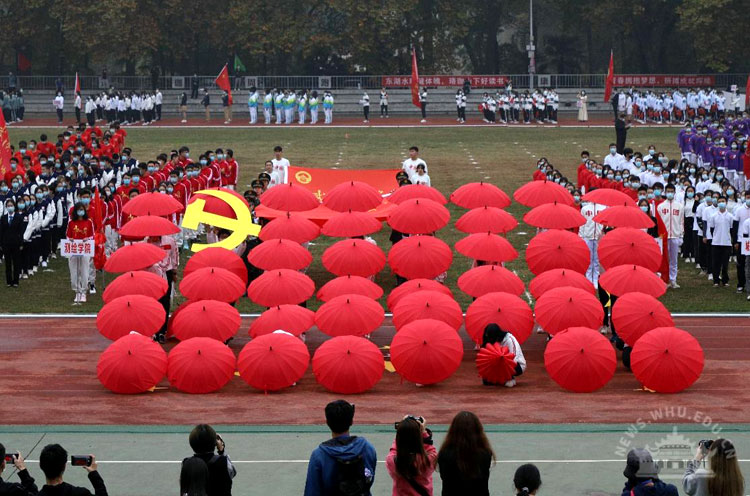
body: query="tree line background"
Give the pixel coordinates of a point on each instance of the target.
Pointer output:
(333, 37)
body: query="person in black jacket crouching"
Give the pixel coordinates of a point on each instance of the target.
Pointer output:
(52, 461)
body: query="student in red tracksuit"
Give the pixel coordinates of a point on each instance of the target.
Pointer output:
(80, 227)
(233, 170)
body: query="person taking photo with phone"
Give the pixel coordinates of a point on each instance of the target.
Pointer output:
(53, 460)
(26, 486)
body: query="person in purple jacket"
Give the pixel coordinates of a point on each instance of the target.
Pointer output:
(697, 142)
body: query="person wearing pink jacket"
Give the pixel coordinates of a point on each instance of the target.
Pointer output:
(411, 461)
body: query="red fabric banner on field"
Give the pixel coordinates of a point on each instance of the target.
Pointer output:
(222, 81)
(610, 77)
(78, 85)
(320, 181)
(747, 94)
(4, 147)
(476, 81)
(663, 80)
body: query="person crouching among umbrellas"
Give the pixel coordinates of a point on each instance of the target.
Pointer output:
(493, 333)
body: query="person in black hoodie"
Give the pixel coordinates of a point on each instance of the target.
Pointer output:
(25, 487)
(52, 461)
(465, 458)
(642, 476)
(204, 440)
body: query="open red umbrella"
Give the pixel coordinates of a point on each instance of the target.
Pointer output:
(132, 364)
(580, 359)
(490, 279)
(348, 364)
(351, 224)
(419, 216)
(293, 319)
(292, 226)
(426, 351)
(349, 285)
(556, 249)
(289, 198)
(412, 286)
(420, 257)
(558, 278)
(122, 315)
(504, 309)
(412, 191)
(628, 278)
(200, 365)
(207, 319)
(216, 205)
(427, 305)
(134, 257)
(152, 204)
(212, 283)
(139, 282)
(667, 360)
(148, 225)
(495, 363)
(554, 216)
(356, 257)
(537, 193)
(634, 314)
(481, 194)
(352, 195)
(560, 308)
(349, 315)
(217, 257)
(280, 254)
(279, 287)
(273, 361)
(609, 197)
(622, 216)
(628, 246)
(487, 247)
(486, 219)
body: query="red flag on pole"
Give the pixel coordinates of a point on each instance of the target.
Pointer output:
(414, 79)
(24, 64)
(747, 94)
(664, 237)
(4, 147)
(78, 85)
(96, 212)
(222, 81)
(610, 77)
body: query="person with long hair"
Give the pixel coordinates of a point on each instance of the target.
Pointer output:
(465, 457)
(194, 477)
(722, 478)
(527, 480)
(412, 458)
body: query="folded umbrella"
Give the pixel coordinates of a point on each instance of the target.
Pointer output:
(279, 287)
(537, 193)
(352, 195)
(420, 257)
(134, 257)
(280, 254)
(217, 257)
(554, 215)
(124, 314)
(137, 282)
(348, 364)
(427, 305)
(200, 365)
(293, 319)
(289, 198)
(628, 246)
(148, 225)
(667, 360)
(487, 247)
(490, 279)
(560, 308)
(580, 359)
(351, 224)
(273, 361)
(481, 194)
(132, 364)
(628, 278)
(207, 319)
(412, 191)
(152, 204)
(349, 285)
(412, 286)
(212, 283)
(495, 363)
(292, 226)
(634, 314)
(507, 310)
(349, 315)
(609, 197)
(356, 257)
(419, 216)
(556, 249)
(486, 219)
(558, 278)
(623, 216)
(426, 351)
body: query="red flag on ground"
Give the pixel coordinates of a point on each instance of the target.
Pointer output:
(663, 237)
(414, 79)
(610, 77)
(747, 94)
(78, 85)
(5, 152)
(24, 64)
(97, 217)
(222, 81)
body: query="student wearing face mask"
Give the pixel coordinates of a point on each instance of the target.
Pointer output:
(12, 228)
(613, 159)
(688, 248)
(645, 207)
(80, 227)
(718, 230)
(741, 217)
(671, 213)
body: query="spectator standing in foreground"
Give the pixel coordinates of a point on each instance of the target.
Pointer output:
(465, 457)
(642, 476)
(412, 458)
(52, 461)
(26, 486)
(204, 440)
(723, 476)
(527, 480)
(194, 477)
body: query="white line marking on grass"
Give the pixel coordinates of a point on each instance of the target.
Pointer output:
(525, 291)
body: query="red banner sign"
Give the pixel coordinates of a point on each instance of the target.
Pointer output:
(320, 181)
(71, 247)
(476, 81)
(663, 80)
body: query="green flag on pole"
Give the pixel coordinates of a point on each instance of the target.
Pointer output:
(238, 65)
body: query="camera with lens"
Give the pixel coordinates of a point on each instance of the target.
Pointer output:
(412, 417)
(705, 445)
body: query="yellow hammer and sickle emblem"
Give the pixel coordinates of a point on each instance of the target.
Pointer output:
(241, 227)
(303, 177)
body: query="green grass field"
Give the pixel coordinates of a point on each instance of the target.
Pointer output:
(504, 156)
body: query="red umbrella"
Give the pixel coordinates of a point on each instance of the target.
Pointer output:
(628, 278)
(212, 283)
(139, 282)
(217, 257)
(622, 216)
(628, 246)
(427, 305)
(580, 360)
(352, 195)
(609, 197)
(412, 191)
(419, 216)
(481, 194)
(558, 278)
(349, 285)
(410, 287)
(289, 197)
(292, 226)
(556, 249)
(420, 257)
(667, 360)
(504, 309)
(280, 254)
(554, 216)
(426, 351)
(273, 361)
(348, 364)
(207, 319)
(293, 319)
(130, 313)
(279, 287)
(218, 206)
(537, 193)
(496, 364)
(560, 308)
(349, 315)
(200, 365)
(355, 257)
(152, 204)
(132, 364)
(634, 314)
(487, 247)
(148, 225)
(350, 224)
(490, 279)
(486, 219)
(134, 257)
(173, 315)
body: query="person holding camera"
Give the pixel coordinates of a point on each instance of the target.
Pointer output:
(26, 486)
(465, 458)
(204, 440)
(642, 475)
(723, 476)
(52, 461)
(412, 458)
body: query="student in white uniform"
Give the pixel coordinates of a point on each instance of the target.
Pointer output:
(591, 232)
(741, 215)
(383, 103)
(671, 213)
(279, 107)
(267, 104)
(280, 164)
(313, 103)
(365, 102)
(410, 164)
(718, 230)
(421, 176)
(743, 238)
(252, 105)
